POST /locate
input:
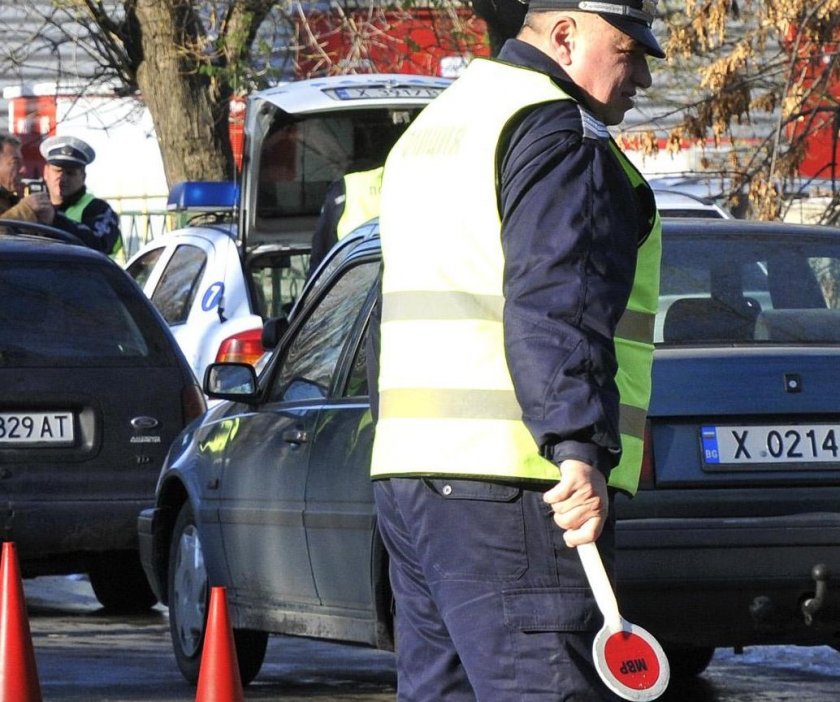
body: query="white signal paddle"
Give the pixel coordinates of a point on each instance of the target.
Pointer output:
(629, 660)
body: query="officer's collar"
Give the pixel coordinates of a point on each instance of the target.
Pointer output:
(522, 53)
(74, 198)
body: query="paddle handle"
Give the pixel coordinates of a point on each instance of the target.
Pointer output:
(593, 566)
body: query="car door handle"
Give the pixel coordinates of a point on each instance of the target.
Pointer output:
(295, 436)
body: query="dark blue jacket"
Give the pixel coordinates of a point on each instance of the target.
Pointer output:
(100, 225)
(568, 215)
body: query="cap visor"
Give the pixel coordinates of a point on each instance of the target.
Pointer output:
(66, 163)
(638, 31)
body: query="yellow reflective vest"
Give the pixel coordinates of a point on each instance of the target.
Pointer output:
(361, 200)
(449, 407)
(634, 349)
(77, 209)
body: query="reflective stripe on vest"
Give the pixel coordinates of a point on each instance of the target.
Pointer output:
(634, 348)
(76, 210)
(450, 408)
(361, 201)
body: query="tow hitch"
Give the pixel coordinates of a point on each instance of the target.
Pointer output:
(812, 605)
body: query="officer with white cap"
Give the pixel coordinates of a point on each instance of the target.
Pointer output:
(67, 151)
(78, 211)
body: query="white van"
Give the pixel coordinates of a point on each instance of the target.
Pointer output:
(242, 256)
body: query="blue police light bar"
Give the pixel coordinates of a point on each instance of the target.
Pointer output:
(203, 196)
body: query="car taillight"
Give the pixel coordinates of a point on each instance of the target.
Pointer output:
(646, 476)
(245, 347)
(193, 403)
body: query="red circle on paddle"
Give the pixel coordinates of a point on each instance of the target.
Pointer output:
(632, 660)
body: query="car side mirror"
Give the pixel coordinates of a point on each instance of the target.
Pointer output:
(231, 381)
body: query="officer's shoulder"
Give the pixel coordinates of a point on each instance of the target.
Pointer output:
(98, 207)
(565, 116)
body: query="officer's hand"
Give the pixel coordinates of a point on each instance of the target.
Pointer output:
(40, 202)
(580, 502)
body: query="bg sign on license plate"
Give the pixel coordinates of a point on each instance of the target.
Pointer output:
(815, 443)
(36, 428)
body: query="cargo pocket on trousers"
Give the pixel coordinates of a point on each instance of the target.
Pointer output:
(570, 609)
(487, 526)
(550, 631)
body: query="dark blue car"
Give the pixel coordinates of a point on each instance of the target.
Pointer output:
(728, 543)
(93, 390)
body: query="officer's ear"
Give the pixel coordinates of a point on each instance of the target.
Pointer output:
(562, 38)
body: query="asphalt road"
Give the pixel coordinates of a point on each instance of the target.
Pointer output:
(83, 655)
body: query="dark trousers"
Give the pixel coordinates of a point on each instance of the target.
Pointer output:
(490, 603)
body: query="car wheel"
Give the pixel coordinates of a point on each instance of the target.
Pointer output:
(120, 585)
(688, 661)
(189, 592)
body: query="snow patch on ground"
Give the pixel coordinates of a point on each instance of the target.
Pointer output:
(818, 659)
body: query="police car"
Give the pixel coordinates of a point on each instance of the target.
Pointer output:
(213, 294)
(240, 257)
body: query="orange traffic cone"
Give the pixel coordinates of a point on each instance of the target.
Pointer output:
(18, 672)
(218, 676)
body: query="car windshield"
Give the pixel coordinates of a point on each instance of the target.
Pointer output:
(74, 314)
(752, 289)
(300, 157)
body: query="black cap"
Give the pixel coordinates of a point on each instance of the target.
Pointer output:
(633, 17)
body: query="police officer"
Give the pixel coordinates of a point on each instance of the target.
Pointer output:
(78, 211)
(521, 266)
(350, 202)
(353, 199)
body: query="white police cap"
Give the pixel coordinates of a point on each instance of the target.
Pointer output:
(67, 151)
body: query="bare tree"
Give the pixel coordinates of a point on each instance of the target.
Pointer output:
(183, 58)
(763, 79)
(758, 78)
(187, 75)
(186, 58)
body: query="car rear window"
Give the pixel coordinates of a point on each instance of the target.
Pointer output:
(301, 156)
(143, 267)
(175, 292)
(75, 314)
(749, 289)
